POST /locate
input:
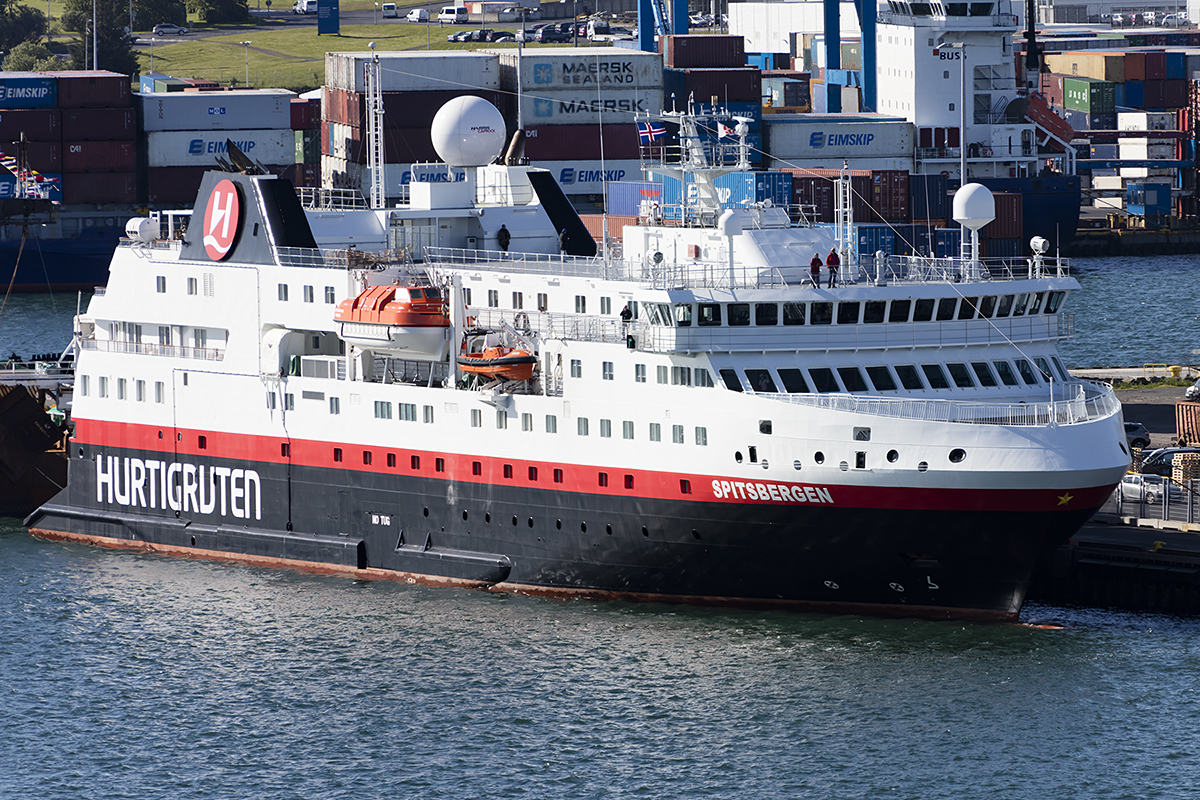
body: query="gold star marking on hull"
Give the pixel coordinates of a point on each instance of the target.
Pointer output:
(1063, 499)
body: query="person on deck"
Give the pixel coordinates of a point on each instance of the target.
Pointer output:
(562, 242)
(833, 262)
(503, 237)
(814, 270)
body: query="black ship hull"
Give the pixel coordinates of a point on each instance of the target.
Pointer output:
(949, 563)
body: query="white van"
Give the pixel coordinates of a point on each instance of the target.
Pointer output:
(305, 7)
(453, 14)
(389, 10)
(418, 15)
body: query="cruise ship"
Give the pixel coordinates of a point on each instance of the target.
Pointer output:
(696, 421)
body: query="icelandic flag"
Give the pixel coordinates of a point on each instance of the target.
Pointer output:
(651, 131)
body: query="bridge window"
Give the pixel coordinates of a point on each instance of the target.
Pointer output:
(853, 379)
(1006, 304)
(708, 314)
(1026, 372)
(873, 311)
(760, 380)
(766, 314)
(1054, 301)
(935, 376)
(983, 373)
(847, 313)
(882, 378)
(988, 307)
(967, 309)
(793, 381)
(923, 310)
(960, 376)
(683, 315)
(1019, 305)
(899, 311)
(793, 313)
(1035, 303)
(823, 380)
(739, 314)
(946, 308)
(909, 377)
(730, 377)
(822, 314)
(1005, 371)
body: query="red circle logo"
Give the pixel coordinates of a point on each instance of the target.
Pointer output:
(221, 220)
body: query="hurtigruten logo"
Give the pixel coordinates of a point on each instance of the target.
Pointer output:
(770, 492)
(186, 488)
(221, 218)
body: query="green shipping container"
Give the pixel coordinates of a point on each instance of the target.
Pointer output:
(308, 147)
(170, 85)
(1089, 95)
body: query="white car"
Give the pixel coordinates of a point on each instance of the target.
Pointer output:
(1149, 488)
(1173, 20)
(1193, 391)
(418, 15)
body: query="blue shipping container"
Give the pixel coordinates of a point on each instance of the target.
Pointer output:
(1135, 94)
(625, 197)
(1119, 93)
(1002, 248)
(927, 197)
(734, 189)
(147, 81)
(751, 111)
(875, 237)
(948, 242)
(1176, 66)
(28, 90)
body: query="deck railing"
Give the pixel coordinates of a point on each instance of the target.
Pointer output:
(148, 349)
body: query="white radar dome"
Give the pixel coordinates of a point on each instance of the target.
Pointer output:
(468, 132)
(974, 206)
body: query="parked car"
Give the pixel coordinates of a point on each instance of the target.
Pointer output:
(461, 36)
(501, 36)
(1173, 20)
(417, 15)
(1161, 461)
(1137, 435)
(167, 28)
(1137, 488)
(453, 14)
(389, 11)
(1193, 391)
(479, 35)
(552, 33)
(305, 7)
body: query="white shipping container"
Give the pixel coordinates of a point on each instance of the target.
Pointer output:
(202, 148)
(580, 68)
(589, 176)
(615, 106)
(1142, 149)
(1108, 182)
(255, 109)
(1144, 172)
(835, 162)
(1145, 121)
(338, 173)
(806, 136)
(437, 71)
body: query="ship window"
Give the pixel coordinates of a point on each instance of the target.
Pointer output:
(576, 368)
(935, 376)
(793, 313)
(987, 307)
(708, 314)
(984, 373)
(558, 476)
(159, 391)
(543, 301)
(533, 473)
(476, 468)
(407, 411)
(527, 422)
(1019, 305)
(823, 380)
(606, 370)
(730, 377)
(1054, 301)
(581, 426)
(660, 373)
(899, 311)
(946, 308)
(160, 284)
(627, 429)
(605, 305)
(1062, 373)
(981, 9)
(739, 314)
(967, 309)
(793, 381)
(852, 379)
(602, 478)
(1006, 373)
(466, 295)
(1042, 365)
(391, 459)
(822, 314)
(427, 412)
(1035, 303)
(881, 378)
(847, 313)
(683, 315)
(655, 432)
(493, 298)
(956, 9)
(960, 376)
(681, 376)
(1026, 372)
(766, 314)
(309, 295)
(518, 299)
(873, 311)
(685, 486)
(701, 438)
(476, 418)
(551, 423)
(289, 402)
(139, 391)
(909, 377)
(703, 378)
(760, 380)
(271, 400)
(283, 292)
(508, 471)
(120, 388)
(606, 429)
(677, 434)
(366, 457)
(330, 295)
(501, 419)
(383, 409)
(439, 465)
(580, 304)
(414, 462)
(639, 373)
(337, 454)
(923, 310)
(193, 286)
(1006, 304)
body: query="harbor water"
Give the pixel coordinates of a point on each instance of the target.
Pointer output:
(133, 675)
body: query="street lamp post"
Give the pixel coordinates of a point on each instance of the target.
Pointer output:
(152, 41)
(247, 46)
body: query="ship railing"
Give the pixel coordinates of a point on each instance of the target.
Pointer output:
(926, 269)
(1083, 401)
(317, 198)
(149, 349)
(530, 263)
(554, 325)
(334, 259)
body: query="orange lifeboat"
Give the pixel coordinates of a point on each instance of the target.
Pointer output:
(410, 321)
(504, 363)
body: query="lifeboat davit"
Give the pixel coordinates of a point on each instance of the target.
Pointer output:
(410, 321)
(504, 363)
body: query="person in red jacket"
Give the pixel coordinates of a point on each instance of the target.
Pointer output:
(814, 270)
(832, 261)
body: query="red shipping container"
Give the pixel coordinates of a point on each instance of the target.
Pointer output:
(1154, 96)
(92, 89)
(814, 192)
(570, 142)
(43, 156)
(1175, 94)
(325, 148)
(1135, 66)
(889, 194)
(683, 52)
(99, 124)
(175, 186)
(1009, 222)
(1156, 66)
(727, 85)
(299, 117)
(100, 188)
(38, 125)
(99, 157)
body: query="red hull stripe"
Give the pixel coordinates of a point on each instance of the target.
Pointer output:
(588, 479)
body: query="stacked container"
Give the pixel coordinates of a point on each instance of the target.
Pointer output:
(306, 127)
(879, 195)
(734, 190)
(414, 86)
(713, 71)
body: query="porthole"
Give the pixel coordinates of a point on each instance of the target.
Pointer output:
(892, 456)
(819, 457)
(558, 524)
(464, 515)
(514, 522)
(957, 455)
(923, 466)
(608, 529)
(426, 511)
(796, 464)
(531, 522)
(766, 464)
(583, 527)
(81, 452)
(645, 531)
(487, 517)
(738, 456)
(695, 534)
(843, 466)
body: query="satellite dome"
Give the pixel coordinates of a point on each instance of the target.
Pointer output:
(468, 132)
(974, 206)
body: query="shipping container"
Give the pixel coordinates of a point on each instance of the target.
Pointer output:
(43, 156)
(38, 124)
(589, 176)
(573, 69)
(299, 114)
(813, 195)
(100, 187)
(1101, 66)
(92, 89)
(927, 196)
(564, 142)
(400, 109)
(1146, 121)
(202, 148)
(583, 107)
(1143, 149)
(734, 190)
(626, 197)
(173, 185)
(1002, 248)
(1135, 94)
(308, 147)
(252, 109)
(802, 136)
(201, 84)
(98, 157)
(164, 85)
(889, 194)
(146, 81)
(1135, 66)
(1156, 66)
(596, 223)
(27, 90)
(1155, 94)
(1010, 215)
(414, 71)
(787, 93)
(99, 124)
(726, 85)
(684, 52)
(1175, 94)
(1148, 199)
(1089, 95)
(947, 242)
(1176, 66)
(873, 238)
